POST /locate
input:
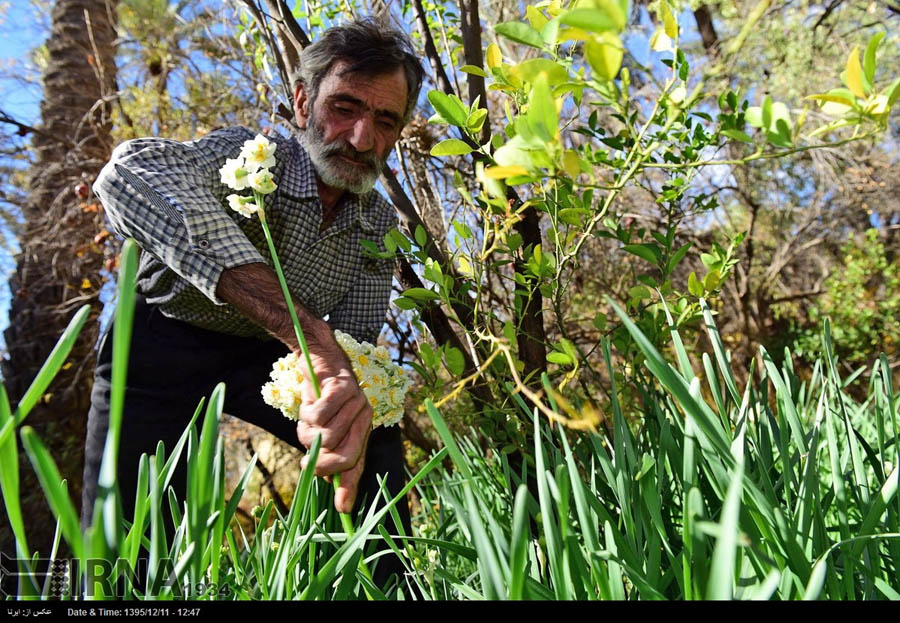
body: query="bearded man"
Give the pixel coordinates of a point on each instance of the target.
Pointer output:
(209, 303)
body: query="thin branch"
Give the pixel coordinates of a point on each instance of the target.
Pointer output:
(798, 295)
(441, 79)
(276, 52)
(25, 129)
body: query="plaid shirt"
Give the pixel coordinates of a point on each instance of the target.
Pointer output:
(168, 197)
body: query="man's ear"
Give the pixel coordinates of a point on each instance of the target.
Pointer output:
(301, 106)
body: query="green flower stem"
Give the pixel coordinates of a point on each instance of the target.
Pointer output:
(346, 521)
(298, 331)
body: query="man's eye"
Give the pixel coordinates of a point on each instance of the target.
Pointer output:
(344, 110)
(387, 124)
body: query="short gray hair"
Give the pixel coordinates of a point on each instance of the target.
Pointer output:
(369, 49)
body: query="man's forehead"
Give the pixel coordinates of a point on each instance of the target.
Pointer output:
(383, 86)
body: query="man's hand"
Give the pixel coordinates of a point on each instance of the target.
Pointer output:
(342, 414)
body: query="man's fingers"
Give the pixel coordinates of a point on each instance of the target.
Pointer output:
(336, 429)
(349, 451)
(345, 495)
(336, 391)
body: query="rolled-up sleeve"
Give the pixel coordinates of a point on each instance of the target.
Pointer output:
(168, 197)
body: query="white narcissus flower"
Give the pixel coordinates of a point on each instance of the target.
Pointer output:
(242, 205)
(262, 181)
(383, 382)
(234, 174)
(259, 153)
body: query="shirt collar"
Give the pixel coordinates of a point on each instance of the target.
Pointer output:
(299, 181)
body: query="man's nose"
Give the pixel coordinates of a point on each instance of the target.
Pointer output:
(363, 134)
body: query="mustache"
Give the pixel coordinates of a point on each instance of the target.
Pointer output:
(348, 151)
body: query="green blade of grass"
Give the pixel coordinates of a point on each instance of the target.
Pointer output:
(492, 577)
(54, 489)
(706, 420)
(721, 582)
(341, 558)
(519, 544)
(719, 351)
(52, 364)
(783, 392)
(124, 320)
(443, 431)
(9, 475)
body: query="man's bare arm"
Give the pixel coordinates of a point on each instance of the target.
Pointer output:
(342, 416)
(254, 291)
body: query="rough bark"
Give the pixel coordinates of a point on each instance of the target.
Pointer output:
(59, 268)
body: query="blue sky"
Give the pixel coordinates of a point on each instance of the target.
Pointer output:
(22, 29)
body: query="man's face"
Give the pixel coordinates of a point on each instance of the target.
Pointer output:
(352, 126)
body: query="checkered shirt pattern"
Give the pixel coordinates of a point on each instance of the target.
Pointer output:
(168, 197)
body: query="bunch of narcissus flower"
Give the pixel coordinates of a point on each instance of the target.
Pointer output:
(383, 382)
(250, 170)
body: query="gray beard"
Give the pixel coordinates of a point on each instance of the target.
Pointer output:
(331, 170)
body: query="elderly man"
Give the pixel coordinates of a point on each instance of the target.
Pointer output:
(209, 301)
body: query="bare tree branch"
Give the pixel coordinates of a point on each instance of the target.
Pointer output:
(441, 79)
(471, 33)
(24, 129)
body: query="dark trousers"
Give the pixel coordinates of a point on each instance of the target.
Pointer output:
(172, 366)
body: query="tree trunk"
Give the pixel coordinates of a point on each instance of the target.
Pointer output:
(59, 268)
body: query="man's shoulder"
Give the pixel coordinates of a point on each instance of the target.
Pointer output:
(380, 212)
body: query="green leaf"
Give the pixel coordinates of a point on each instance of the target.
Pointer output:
(529, 70)
(421, 294)
(737, 135)
(474, 69)
(712, 279)
(572, 216)
(599, 321)
(767, 112)
(389, 243)
(401, 240)
(542, 113)
(893, 92)
(639, 292)
(670, 22)
(649, 252)
(520, 33)
(449, 108)
(604, 55)
(593, 20)
(754, 117)
(550, 31)
(404, 303)
(476, 120)
(456, 361)
(421, 236)
(677, 257)
(451, 147)
(869, 64)
(559, 358)
(694, 285)
(854, 74)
